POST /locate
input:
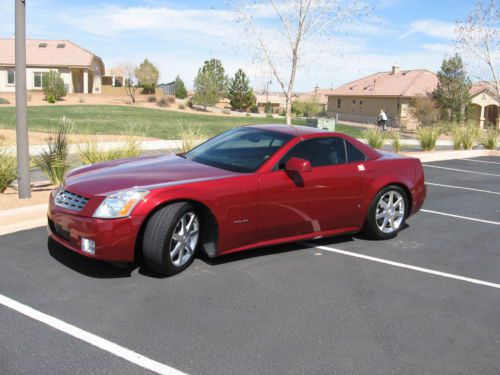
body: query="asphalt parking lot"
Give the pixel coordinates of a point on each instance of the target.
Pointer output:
(426, 302)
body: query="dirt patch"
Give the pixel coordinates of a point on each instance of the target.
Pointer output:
(9, 198)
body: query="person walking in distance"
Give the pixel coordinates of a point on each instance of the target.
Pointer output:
(382, 120)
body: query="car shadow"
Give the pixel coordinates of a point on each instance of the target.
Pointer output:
(87, 266)
(273, 250)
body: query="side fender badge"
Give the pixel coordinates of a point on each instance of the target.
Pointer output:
(361, 167)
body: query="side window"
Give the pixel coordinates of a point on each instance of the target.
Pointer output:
(353, 154)
(320, 152)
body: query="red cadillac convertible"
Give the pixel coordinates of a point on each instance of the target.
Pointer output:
(251, 186)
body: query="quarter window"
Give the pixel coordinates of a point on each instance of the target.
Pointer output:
(320, 152)
(353, 154)
(11, 74)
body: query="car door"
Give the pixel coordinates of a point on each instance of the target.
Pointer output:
(326, 198)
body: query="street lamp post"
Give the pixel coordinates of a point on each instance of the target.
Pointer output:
(22, 141)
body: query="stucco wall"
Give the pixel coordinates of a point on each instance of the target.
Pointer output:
(366, 109)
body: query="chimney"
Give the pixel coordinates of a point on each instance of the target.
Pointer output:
(395, 69)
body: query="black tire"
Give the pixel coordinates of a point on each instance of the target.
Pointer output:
(158, 237)
(371, 227)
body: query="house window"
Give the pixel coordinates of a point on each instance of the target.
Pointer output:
(339, 103)
(38, 80)
(11, 74)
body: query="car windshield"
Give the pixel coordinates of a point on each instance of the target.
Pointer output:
(239, 150)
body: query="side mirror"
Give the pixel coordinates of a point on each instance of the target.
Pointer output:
(298, 165)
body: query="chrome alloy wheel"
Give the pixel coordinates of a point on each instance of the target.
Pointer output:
(390, 212)
(184, 239)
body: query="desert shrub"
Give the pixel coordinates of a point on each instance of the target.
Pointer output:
(268, 108)
(190, 103)
(53, 160)
(53, 86)
(396, 141)
(190, 137)
(181, 106)
(375, 138)
(4, 101)
(171, 99)
(491, 139)
(81, 99)
(152, 99)
(163, 102)
(470, 134)
(248, 114)
(226, 111)
(254, 109)
(269, 115)
(427, 137)
(8, 167)
(456, 137)
(306, 108)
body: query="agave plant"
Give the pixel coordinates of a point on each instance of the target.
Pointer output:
(491, 139)
(53, 160)
(427, 137)
(396, 141)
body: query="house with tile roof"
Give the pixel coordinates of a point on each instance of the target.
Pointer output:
(361, 100)
(80, 69)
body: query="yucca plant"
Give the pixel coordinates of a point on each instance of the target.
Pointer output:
(375, 138)
(8, 167)
(53, 160)
(92, 151)
(396, 141)
(491, 139)
(190, 138)
(470, 134)
(427, 137)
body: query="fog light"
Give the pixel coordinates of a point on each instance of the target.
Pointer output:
(88, 246)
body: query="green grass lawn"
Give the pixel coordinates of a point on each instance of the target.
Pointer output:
(110, 119)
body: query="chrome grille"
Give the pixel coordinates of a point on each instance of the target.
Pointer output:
(70, 201)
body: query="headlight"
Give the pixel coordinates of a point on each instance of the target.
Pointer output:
(120, 204)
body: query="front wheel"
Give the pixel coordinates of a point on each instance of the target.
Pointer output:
(387, 213)
(171, 238)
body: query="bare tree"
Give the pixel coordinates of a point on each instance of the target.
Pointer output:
(129, 79)
(301, 23)
(478, 37)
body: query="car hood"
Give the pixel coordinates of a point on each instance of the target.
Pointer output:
(147, 172)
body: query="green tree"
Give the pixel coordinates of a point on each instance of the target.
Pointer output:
(53, 86)
(452, 92)
(147, 76)
(180, 88)
(240, 93)
(210, 84)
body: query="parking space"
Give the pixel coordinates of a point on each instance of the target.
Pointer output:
(298, 309)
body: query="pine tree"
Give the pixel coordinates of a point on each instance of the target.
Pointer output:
(240, 93)
(180, 88)
(452, 93)
(210, 84)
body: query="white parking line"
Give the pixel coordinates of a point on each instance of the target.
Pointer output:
(482, 161)
(463, 188)
(461, 170)
(407, 266)
(90, 338)
(461, 217)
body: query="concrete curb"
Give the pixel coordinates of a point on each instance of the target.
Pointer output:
(17, 219)
(29, 217)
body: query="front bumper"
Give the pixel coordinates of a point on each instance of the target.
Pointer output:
(115, 239)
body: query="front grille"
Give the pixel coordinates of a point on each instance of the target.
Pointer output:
(70, 200)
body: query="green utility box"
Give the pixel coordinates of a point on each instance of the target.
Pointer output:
(322, 123)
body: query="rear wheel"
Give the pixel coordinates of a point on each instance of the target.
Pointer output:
(171, 238)
(387, 213)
